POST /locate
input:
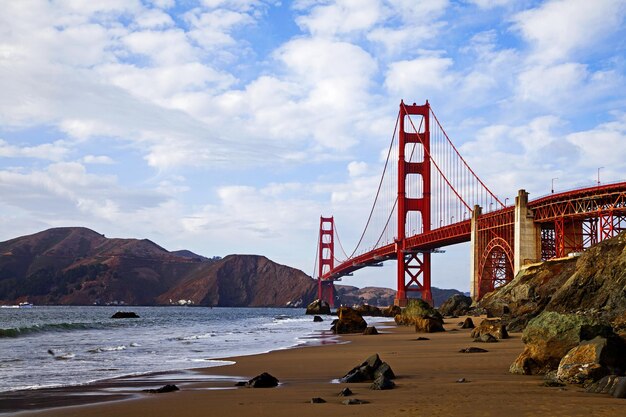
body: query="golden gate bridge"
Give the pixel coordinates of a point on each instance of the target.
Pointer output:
(428, 197)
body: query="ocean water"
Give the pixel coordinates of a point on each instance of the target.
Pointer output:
(48, 346)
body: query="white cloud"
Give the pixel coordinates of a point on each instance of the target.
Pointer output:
(97, 159)
(415, 77)
(490, 4)
(56, 151)
(357, 169)
(341, 17)
(558, 28)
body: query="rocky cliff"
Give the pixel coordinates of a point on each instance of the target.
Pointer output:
(593, 283)
(78, 266)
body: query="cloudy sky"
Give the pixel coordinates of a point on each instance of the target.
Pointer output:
(231, 126)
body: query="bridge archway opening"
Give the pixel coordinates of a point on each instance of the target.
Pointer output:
(496, 267)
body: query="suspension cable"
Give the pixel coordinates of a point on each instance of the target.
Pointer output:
(377, 191)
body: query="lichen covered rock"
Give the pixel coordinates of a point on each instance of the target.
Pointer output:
(349, 321)
(318, 307)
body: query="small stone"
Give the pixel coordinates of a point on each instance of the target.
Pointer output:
(473, 350)
(370, 330)
(422, 338)
(461, 380)
(486, 338)
(354, 401)
(346, 392)
(317, 319)
(163, 389)
(552, 383)
(317, 400)
(467, 324)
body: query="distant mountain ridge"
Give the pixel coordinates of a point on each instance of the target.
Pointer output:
(77, 266)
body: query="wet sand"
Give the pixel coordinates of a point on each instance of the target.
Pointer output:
(426, 385)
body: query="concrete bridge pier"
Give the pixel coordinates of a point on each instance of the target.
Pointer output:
(526, 244)
(526, 235)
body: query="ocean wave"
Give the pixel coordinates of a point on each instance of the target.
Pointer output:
(50, 327)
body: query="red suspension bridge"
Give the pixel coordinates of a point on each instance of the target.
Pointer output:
(428, 197)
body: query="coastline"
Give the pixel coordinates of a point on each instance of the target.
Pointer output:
(426, 372)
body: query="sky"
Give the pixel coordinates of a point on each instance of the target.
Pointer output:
(230, 126)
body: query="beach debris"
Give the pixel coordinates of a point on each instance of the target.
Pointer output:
(317, 319)
(473, 350)
(125, 315)
(592, 359)
(382, 383)
(263, 380)
(371, 369)
(349, 321)
(318, 307)
(550, 336)
(422, 338)
(391, 311)
(354, 401)
(370, 330)
(612, 384)
(456, 305)
(368, 310)
(493, 327)
(163, 389)
(346, 392)
(461, 380)
(317, 400)
(486, 338)
(468, 323)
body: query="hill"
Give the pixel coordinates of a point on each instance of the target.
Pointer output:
(377, 296)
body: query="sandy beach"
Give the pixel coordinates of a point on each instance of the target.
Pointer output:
(427, 372)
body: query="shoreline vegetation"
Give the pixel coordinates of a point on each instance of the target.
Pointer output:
(433, 378)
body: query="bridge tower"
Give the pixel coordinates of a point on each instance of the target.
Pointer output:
(326, 258)
(413, 273)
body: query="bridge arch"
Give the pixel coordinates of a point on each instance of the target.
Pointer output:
(496, 265)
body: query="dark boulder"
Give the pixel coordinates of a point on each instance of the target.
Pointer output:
(368, 310)
(428, 324)
(592, 360)
(372, 368)
(317, 319)
(349, 321)
(163, 389)
(548, 337)
(317, 400)
(416, 308)
(382, 383)
(264, 380)
(457, 305)
(125, 315)
(613, 385)
(391, 311)
(493, 327)
(318, 307)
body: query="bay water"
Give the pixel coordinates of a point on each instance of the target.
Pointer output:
(50, 346)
